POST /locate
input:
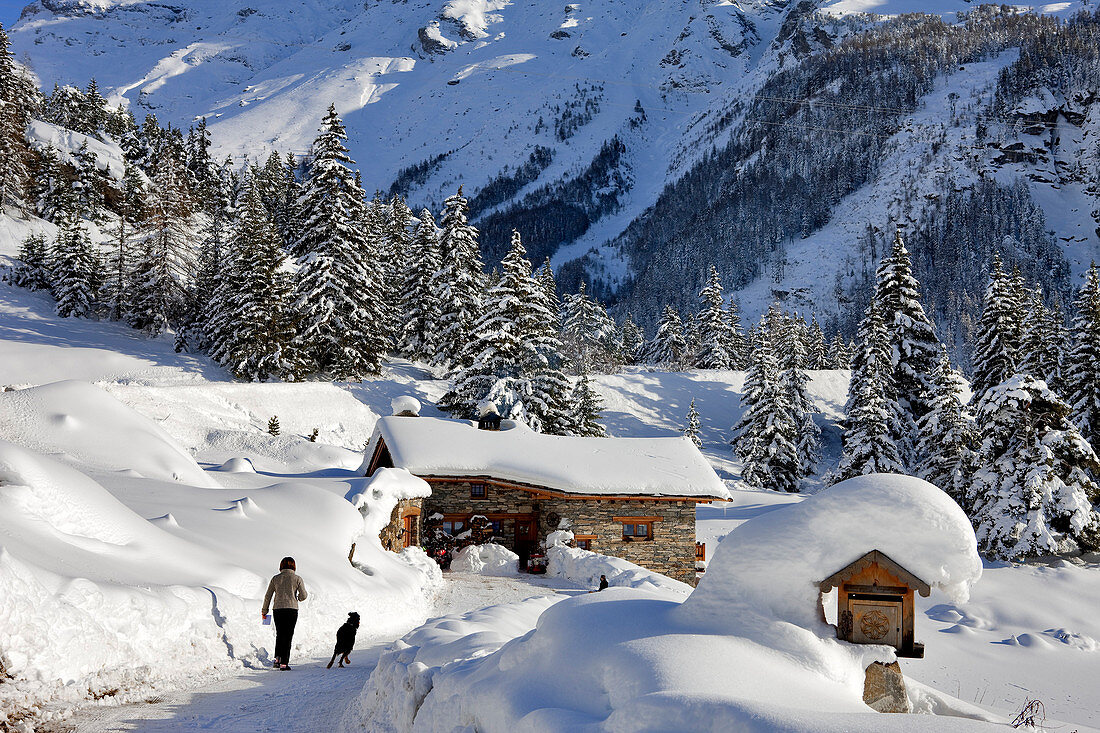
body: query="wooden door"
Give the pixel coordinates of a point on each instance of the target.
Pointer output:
(876, 622)
(409, 535)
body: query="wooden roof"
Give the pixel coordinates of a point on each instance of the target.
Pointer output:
(884, 561)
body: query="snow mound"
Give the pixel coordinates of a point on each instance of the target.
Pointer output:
(585, 568)
(559, 538)
(488, 559)
(405, 404)
(92, 428)
(773, 563)
(237, 465)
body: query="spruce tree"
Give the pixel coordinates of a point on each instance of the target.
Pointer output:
(1083, 372)
(16, 106)
(692, 428)
(515, 353)
(667, 348)
(337, 293)
(588, 334)
(251, 328)
(418, 301)
(817, 352)
(166, 264)
(34, 267)
(767, 436)
(713, 328)
(948, 434)
(1033, 494)
(737, 346)
(115, 294)
(871, 415)
(76, 272)
(914, 348)
(458, 284)
(1043, 341)
(273, 425)
(632, 339)
(587, 410)
(995, 353)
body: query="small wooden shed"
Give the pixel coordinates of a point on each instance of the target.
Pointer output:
(875, 603)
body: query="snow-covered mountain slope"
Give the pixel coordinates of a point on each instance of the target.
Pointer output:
(566, 121)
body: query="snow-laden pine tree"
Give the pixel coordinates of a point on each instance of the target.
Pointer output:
(88, 186)
(77, 270)
(587, 408)
(165, 265)
(712, 326)
(995, 353)
(793, 380)
(459, 283)
(1043, 340)
(502, 343)
(337, 295)
(515, 362)
(666, 350)
(1083, 369)
(418, 301)
(33, 268)
(588, 334)
(691, 430)
(51, 195)
(914, 348)
(871, 415)
(766, 437)
(17, 101)
(817, 352)
(948, 434)
(218, 204)
(737, 346)
(1033, 494)
(115, 294)
(632, 339)
(252, 330)
(840, 355)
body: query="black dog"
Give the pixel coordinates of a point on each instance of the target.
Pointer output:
(345, 640)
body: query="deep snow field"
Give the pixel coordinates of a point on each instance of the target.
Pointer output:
(143, 505)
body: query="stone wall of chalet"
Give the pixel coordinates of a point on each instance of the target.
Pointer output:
(670, 551)
(391, 536)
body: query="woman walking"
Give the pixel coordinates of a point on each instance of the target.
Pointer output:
(287, 589)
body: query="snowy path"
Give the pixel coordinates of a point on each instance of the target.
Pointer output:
(309, 698)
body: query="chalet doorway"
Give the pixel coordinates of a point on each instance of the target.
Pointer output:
(525, 537)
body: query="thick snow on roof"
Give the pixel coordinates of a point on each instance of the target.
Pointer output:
(775, 561)
(620, 466)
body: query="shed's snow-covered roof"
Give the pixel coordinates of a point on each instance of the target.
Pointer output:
(429, 446)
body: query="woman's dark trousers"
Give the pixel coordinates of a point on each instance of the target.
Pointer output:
(285, 620)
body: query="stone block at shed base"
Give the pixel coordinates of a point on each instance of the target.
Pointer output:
(884, 688)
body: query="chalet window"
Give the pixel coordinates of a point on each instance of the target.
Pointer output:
(584, 541)
(454, 526)
(638, 530)
(478, 491)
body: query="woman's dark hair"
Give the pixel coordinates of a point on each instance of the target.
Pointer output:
(287, 564)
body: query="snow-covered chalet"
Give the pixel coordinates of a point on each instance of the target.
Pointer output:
(633, 498)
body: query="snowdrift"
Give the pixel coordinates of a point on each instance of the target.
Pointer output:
(100, 602)
(92, 428)
(740, 653)
(585, 568)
